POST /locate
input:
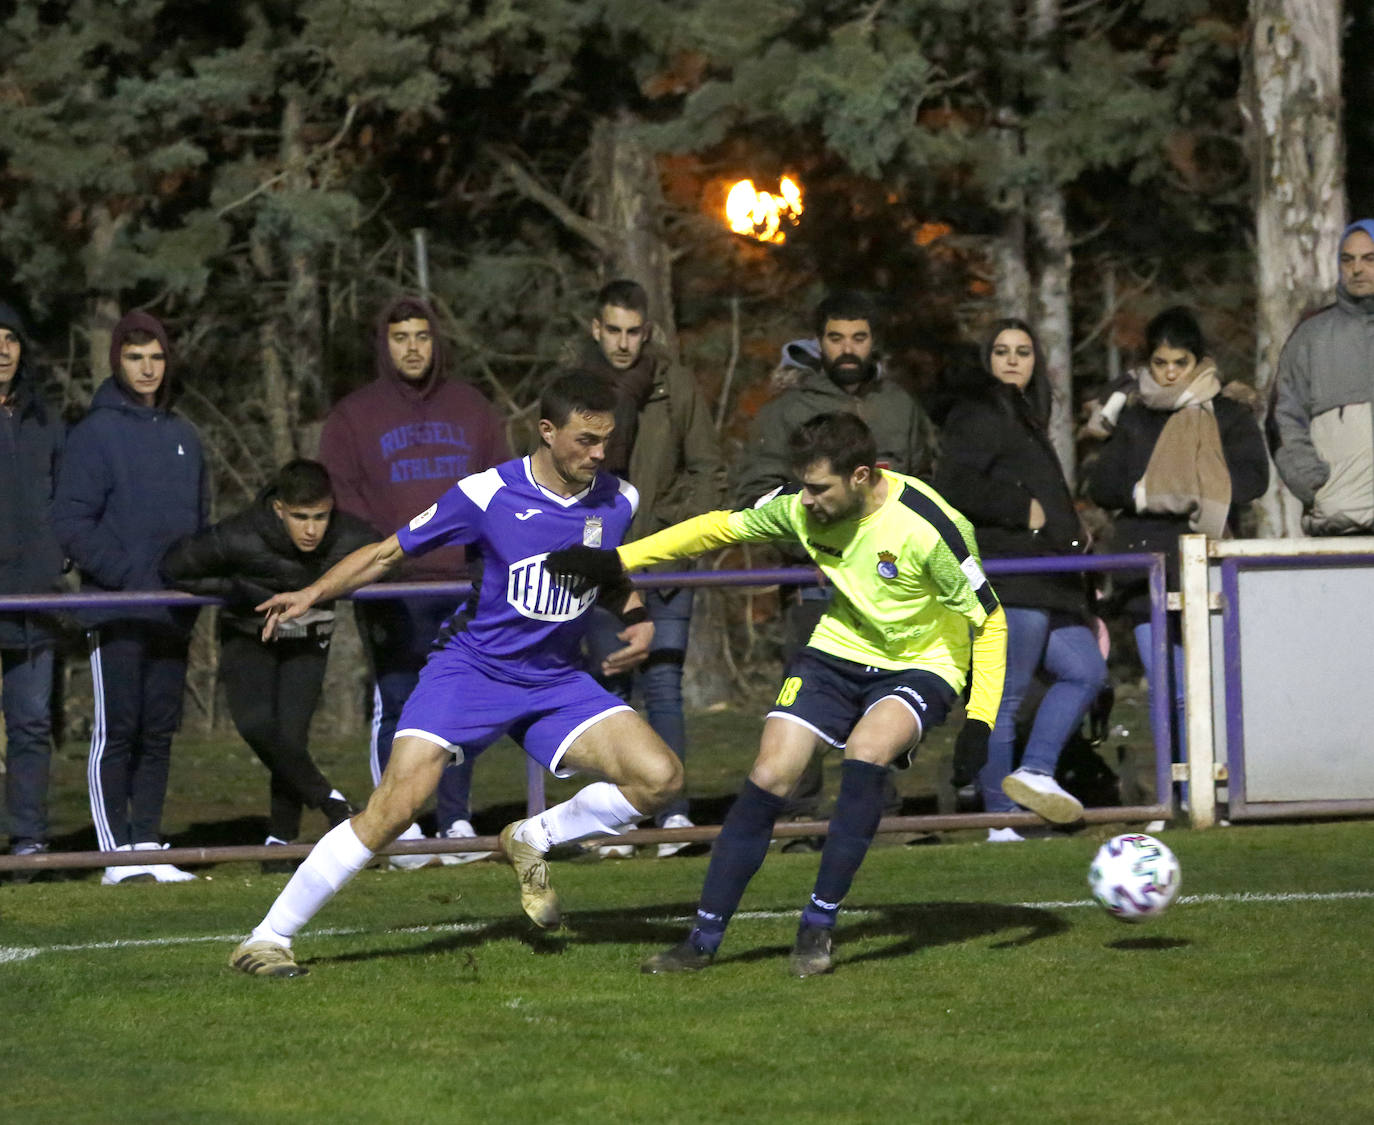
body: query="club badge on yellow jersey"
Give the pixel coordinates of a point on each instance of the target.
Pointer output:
(887, 564)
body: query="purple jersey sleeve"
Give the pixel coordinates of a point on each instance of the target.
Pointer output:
(453, 518)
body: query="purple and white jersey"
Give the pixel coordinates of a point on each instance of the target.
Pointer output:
(526, 619)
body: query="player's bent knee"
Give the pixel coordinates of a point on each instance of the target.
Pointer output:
(658, 780)
(873, 753)
(776, 776)
(410, 778)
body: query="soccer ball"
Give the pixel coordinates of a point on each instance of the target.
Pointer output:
(1134, 877)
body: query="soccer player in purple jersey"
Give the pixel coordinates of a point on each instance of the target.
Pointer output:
(513, 668)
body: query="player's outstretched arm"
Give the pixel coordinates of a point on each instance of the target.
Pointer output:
(683, 540)
(985, 697)
(365, 565)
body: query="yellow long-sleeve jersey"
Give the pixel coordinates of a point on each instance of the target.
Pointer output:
(907, 577)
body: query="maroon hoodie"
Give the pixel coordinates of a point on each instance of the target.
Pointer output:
(394, 446)
(132, 322)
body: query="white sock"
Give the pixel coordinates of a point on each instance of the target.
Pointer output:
(598, 810)
(331, 863)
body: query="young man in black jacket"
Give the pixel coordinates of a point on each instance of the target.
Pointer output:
(286, 540)
(30, 563)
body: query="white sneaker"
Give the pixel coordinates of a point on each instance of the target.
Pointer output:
(677, 820)
(1156, 826)
(1005, 836)
(618, 851)
(132, 873)
(412, 862)
(461, 830)
(164, 872)
(1044, 796)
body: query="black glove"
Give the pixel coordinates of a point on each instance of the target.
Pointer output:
(593, 565)
(970, 752)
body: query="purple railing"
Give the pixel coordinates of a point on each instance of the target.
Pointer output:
(1161, 713)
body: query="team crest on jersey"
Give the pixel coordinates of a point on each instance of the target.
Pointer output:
(535, 593)
(591, 532)
(887, 564)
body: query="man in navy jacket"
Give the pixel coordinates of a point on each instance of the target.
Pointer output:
(133, 481)
(30, 563)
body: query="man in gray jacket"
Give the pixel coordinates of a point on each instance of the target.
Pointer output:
(837, 370)
(1323, 398)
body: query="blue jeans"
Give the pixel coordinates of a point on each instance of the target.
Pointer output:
(659, 677)
(27, 695)
(1178, 744)
(1067, 650)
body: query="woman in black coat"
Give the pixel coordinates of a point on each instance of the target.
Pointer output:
(1182, 457)
(284, 541)
(999, 469)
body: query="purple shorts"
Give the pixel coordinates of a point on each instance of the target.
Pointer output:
(464, 706)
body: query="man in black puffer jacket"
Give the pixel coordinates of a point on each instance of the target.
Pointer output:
(287, 539)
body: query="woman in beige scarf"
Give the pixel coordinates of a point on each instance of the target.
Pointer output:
(1183, 454)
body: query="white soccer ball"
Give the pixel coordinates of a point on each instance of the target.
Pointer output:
(1134, 877)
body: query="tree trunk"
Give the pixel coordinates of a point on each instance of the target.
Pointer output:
(104, 306)
(302, 327)
(275, 395)
(1013, 274)
(1292, 105)
(1013, 271)
(627, 204)
(1054, 320)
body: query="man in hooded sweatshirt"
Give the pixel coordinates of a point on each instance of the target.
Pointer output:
(1324, 396)
(392, 448)
(30, 563)
(133, 481)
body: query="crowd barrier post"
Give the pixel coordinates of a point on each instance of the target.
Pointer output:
(1297, 646)
(1200, 771)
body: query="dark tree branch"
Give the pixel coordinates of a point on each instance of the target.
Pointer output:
(526, 184)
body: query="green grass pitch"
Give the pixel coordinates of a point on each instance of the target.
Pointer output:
(974, 983)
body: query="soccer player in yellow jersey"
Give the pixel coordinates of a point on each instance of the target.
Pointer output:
(882, 667)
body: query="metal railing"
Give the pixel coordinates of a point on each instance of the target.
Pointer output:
(1160, 714)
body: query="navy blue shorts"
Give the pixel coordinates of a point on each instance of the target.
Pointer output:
(463, 707)
(831, 695)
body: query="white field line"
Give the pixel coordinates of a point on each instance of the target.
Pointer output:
(15, 953)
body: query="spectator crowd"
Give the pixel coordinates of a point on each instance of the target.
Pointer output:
(119, 502)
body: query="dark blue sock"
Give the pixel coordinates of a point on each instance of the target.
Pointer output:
(857, 812)
(736, 855)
